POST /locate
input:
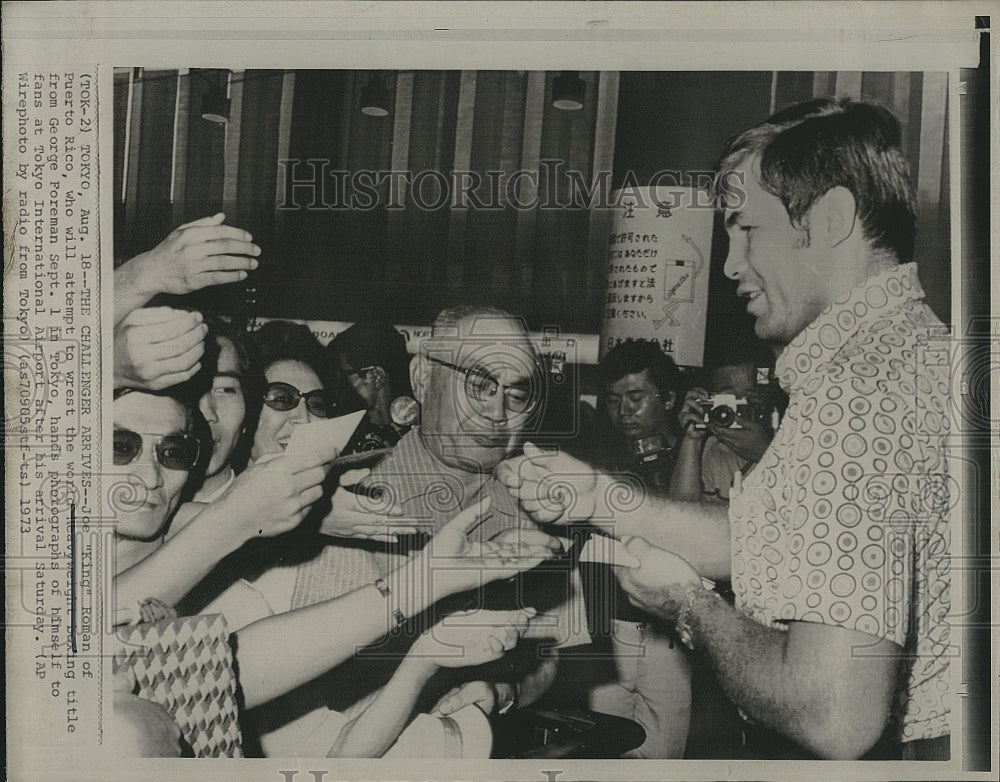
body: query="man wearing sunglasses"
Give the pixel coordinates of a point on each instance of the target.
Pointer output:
(478, 380)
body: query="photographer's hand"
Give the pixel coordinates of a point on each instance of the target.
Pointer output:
(749, 442)
(692, 414)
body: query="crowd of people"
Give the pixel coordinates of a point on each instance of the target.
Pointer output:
(780, 584)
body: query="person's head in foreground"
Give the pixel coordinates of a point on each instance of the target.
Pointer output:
(294, 364)
(816, 199)
(479, 384)
(154, 449)
(639, 385)
(226, 402)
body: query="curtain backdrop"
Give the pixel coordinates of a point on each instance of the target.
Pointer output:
(354, 215)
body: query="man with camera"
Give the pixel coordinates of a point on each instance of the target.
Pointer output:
(838, 541)
(727, 429)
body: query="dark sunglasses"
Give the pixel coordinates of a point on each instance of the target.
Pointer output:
(284, 397)
(172, 451)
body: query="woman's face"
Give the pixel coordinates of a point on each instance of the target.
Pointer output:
(148, 491)
(275, 426)
(224, 407)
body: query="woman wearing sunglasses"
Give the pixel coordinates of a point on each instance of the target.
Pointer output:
(294, 365)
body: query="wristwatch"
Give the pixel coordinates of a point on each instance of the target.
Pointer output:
(683, 624)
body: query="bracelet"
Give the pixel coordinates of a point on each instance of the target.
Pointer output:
(383, 588)
(683, 624)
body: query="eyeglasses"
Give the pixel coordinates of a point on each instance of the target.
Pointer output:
(284, 397)
(481, 387)
(172, 451)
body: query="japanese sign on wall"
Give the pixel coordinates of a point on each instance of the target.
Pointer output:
(658, 254)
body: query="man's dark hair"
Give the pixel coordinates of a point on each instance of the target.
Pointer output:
(811, 147)
(375, 343)
(632, 357)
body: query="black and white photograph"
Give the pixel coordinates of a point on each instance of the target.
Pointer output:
(455, 420)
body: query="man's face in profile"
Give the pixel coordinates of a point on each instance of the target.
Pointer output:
(478, 393)
(780, 275)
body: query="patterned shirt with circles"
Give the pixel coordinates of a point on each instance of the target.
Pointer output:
(845, 520)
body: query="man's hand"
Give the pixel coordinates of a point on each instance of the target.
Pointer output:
(470, 638)
(359, 516)
(488, 696)
(458, 564)
(692, 414)
(748, 443)
(554, 487)
(196, 255)
(268, 499)
(658, 585)
(158, 347)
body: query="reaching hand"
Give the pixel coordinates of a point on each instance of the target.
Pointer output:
(553, 487)
(658, 584)
(198, 254)
(488, 696)
(268, 499)
(692, 415)
(749, 442)
(359, 516)
(458, 564)
(470, 638)
(157, 347)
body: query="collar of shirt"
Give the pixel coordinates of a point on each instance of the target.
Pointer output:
(838, 323)
(421, 483)
(213, 496)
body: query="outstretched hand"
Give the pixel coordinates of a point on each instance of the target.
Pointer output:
(659, 582)
(459, 563)
(199, 254)
(553, 487)
(467, 638)
(157, 347)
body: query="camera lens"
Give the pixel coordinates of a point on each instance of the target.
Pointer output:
(722, 416)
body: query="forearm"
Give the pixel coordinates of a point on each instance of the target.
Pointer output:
(685, 481)
(170, 572)
(311, 640)
(375, 730)
(130, 289)
(697, 532)
(834, 705)
(536, 684)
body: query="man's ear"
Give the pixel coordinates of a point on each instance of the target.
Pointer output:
(669, 397)
(419, 369)
(833, 217)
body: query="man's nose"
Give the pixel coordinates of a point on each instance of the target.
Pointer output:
(735, 261)
(627, 407)
(494, 408)
(148, 472)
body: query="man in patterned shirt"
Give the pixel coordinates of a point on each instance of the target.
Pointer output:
(837, 543)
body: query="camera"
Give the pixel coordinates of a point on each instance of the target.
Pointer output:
(725, 410)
